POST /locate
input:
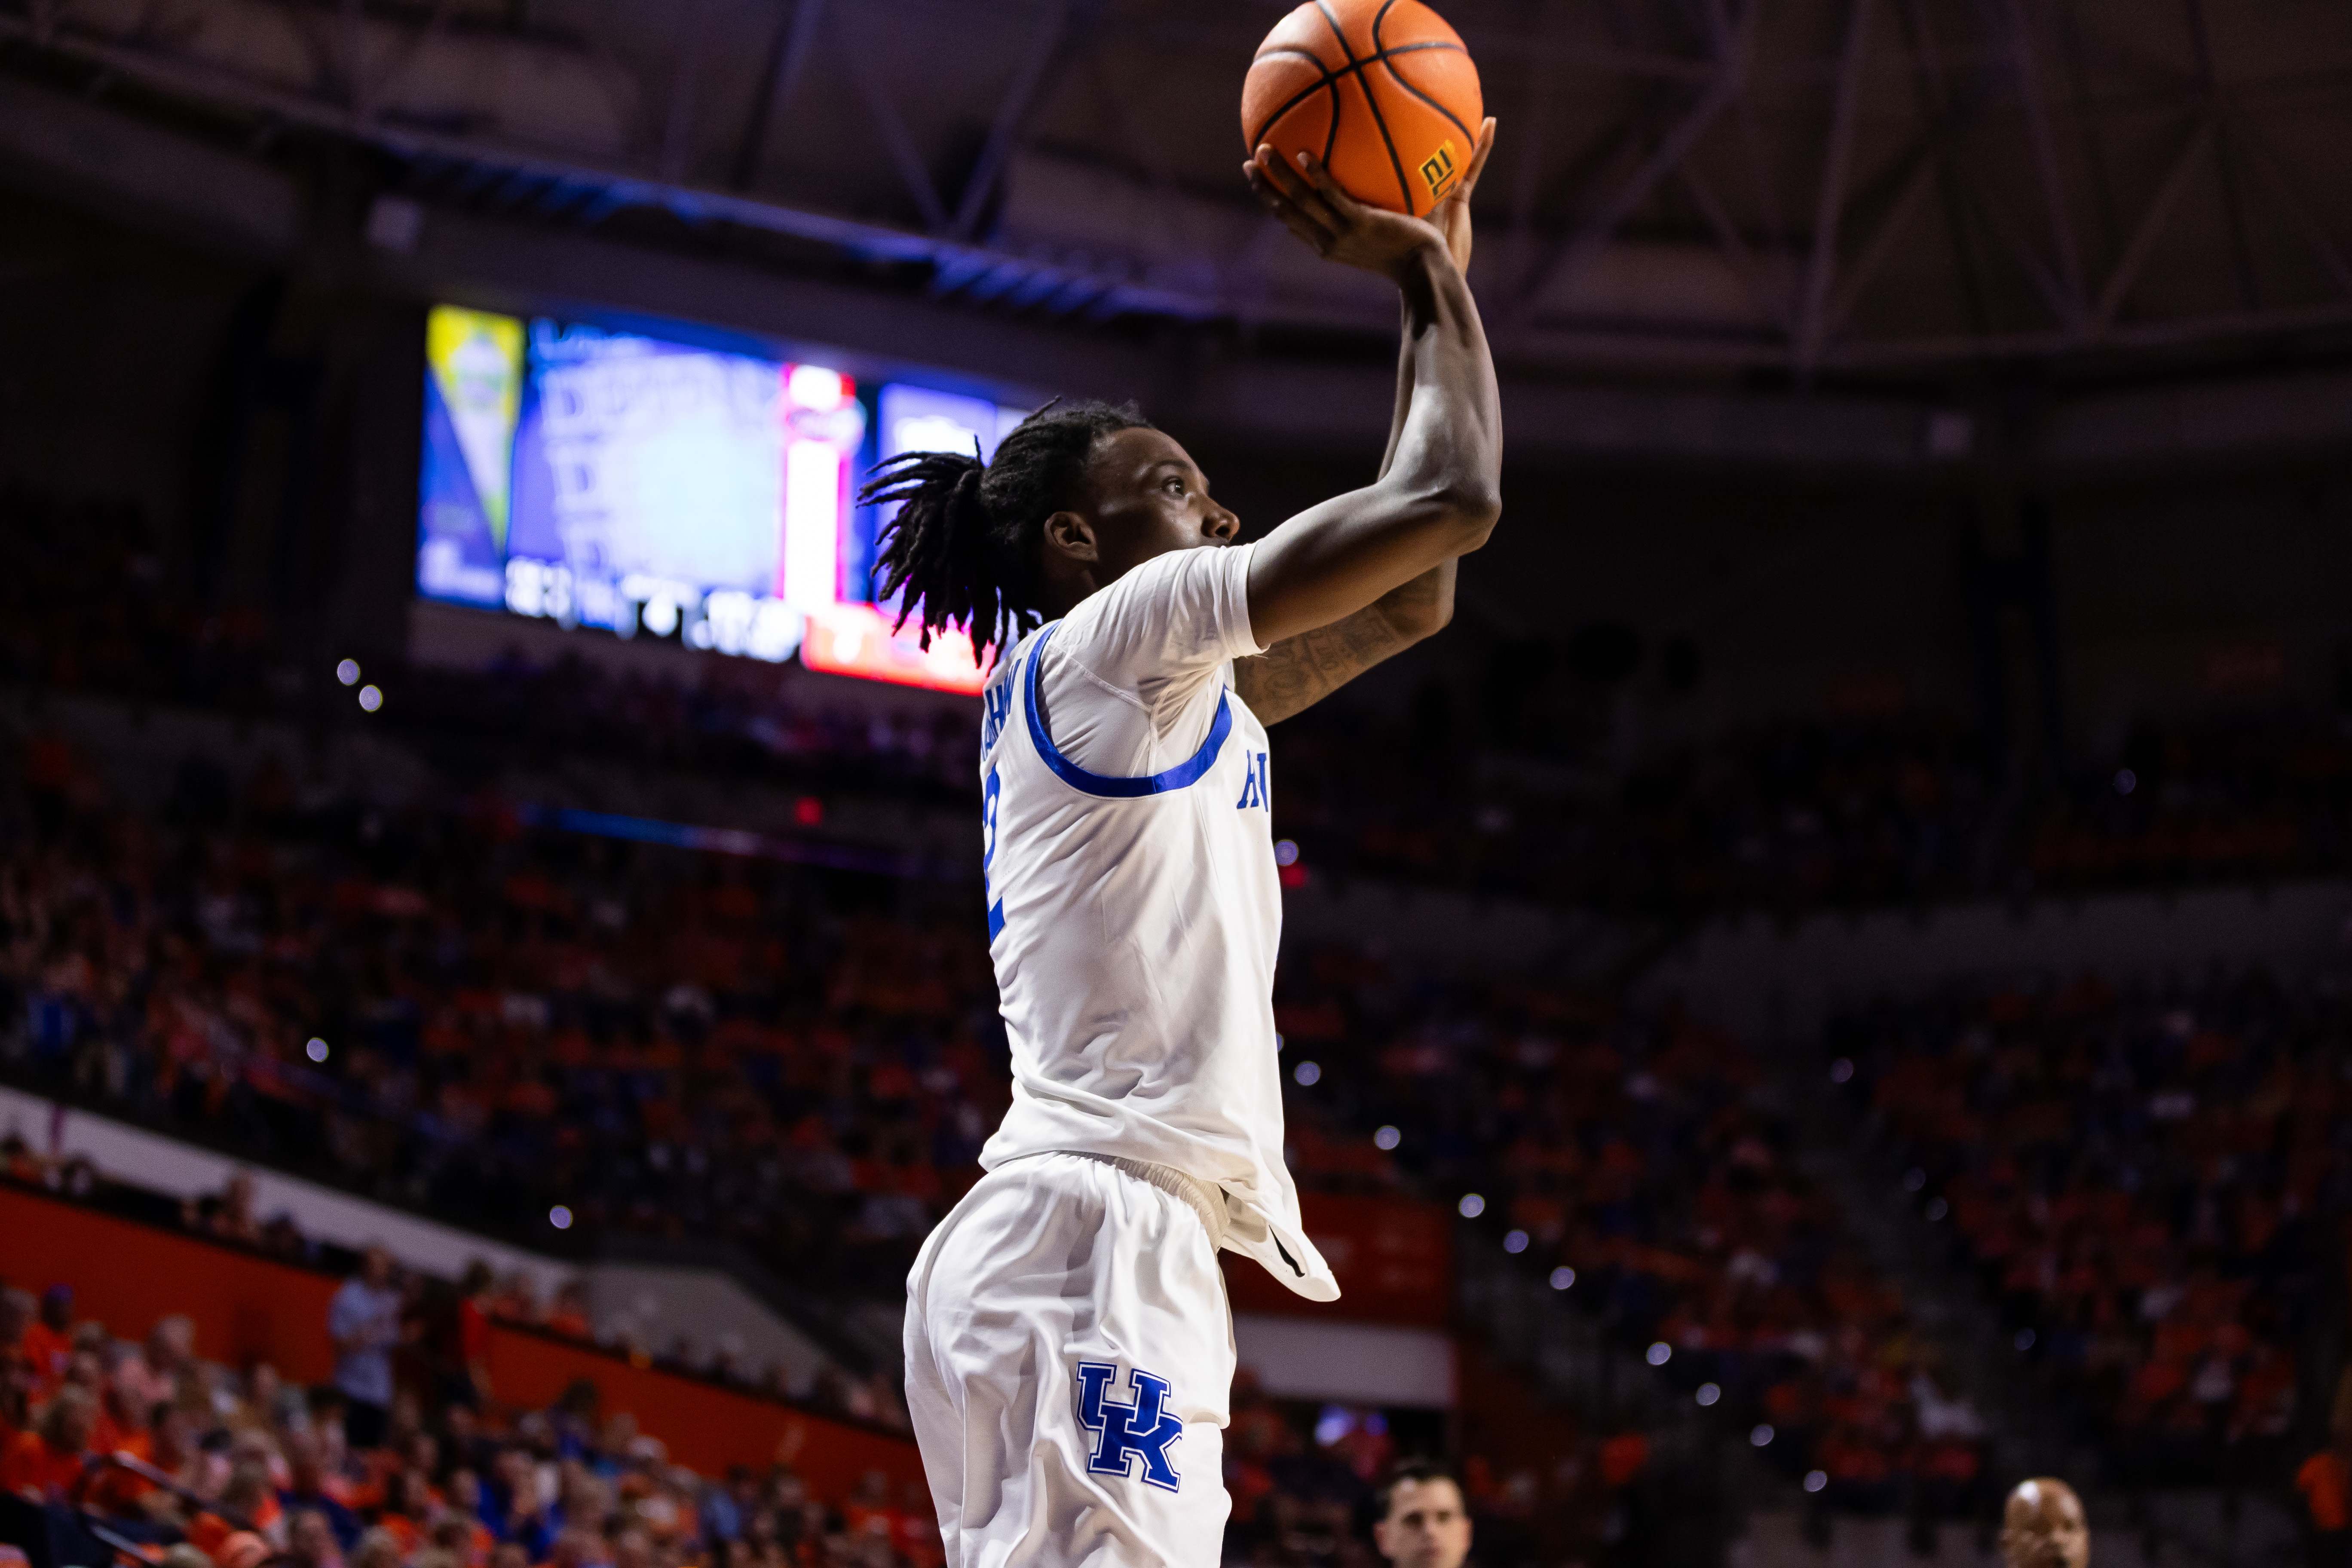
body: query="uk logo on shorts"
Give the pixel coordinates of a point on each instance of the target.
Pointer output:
(1143, 1430)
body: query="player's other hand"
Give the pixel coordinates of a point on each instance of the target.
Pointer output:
(1333, 224)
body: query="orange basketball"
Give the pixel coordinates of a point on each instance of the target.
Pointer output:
(1381, 90)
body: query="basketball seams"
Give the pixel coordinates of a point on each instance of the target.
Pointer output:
(1381, 52)
(1330, 78)
(1326, 82)
(1398, 77)
(1380, 121)
(1293, 101)
(1337, 32)
(1329, 81)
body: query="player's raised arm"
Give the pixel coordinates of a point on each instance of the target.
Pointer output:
(1442, 492)
(1348, 583)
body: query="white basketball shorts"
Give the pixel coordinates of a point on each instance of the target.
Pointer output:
(1069, 1355)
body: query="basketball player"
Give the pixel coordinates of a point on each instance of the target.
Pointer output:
(2042, 1526)
(1069, 1345)
(1419, 1520)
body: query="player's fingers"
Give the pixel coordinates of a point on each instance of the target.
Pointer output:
(1278, 193)
(1279, 174)
(1310, 201)
(1295, 188)
(1344, 208)
(1316, 236)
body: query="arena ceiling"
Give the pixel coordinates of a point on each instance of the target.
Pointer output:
(1871, 194)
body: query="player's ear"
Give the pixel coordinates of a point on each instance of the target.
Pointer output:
(1071, 534)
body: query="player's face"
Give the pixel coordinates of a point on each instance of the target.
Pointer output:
(1427, 1526)
(2070, 1534)
(2044, 1528)
(1150, 499)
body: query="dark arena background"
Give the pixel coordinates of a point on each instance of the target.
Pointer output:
(1820, 995)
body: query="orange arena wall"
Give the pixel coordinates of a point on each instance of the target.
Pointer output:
(248, 1307)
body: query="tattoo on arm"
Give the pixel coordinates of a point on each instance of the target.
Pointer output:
(1300, 671)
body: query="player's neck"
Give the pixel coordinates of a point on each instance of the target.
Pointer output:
(1065, 590)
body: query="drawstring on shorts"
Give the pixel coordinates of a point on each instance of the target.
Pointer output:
(1204, 1200)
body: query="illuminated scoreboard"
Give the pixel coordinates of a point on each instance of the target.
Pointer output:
(652, 486)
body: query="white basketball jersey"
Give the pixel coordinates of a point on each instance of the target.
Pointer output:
(1134, 918)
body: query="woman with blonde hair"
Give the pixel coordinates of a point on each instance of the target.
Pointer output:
(49, 1462)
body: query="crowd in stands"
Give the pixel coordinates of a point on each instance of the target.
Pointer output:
(495, 1023)
(449, 1315)
(1829, 813)
(1640, 1161)
(514, 1022)
(1788, 819)
(1899, 808)
(2154, 1182)
(206, 1466)
(768, 1031)
(2243, 796)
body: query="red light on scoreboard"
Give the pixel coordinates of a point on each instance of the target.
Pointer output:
(858, 639)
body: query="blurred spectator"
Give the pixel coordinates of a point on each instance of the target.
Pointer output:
(470, 1384)
(47, 1344)
(2325, 1482)
(232, 1217)
(154, 1375)
(246, 1503)
(365, 1322)
(18, 1311)
(311, 1542)
(46, 1464)
(310, 1487)
(1419, 1518)
(569, 1315)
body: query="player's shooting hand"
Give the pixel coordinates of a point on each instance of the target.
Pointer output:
(1335, 225)
(1452, 215)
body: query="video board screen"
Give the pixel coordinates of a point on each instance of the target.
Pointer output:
(650, 486)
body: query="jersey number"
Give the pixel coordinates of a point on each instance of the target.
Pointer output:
(988, 854)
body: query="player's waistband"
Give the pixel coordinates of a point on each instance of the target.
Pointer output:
(1204, 1199)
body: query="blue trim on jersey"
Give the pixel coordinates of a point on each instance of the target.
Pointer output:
(1114, 787)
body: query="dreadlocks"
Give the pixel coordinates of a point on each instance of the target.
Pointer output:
(963, 544)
